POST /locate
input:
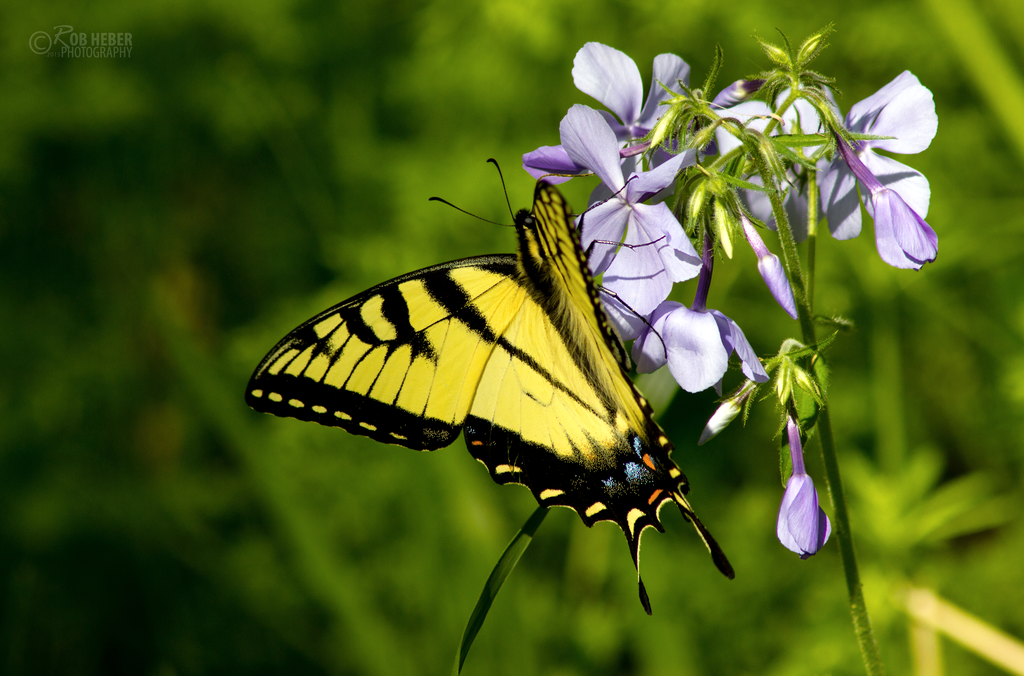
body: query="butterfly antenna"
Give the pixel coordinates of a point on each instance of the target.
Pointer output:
(717, 555)
(468, 213)
(503, 187)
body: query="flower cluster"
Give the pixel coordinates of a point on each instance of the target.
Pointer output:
(684, 175)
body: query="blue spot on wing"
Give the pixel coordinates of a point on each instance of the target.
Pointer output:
(634, 472)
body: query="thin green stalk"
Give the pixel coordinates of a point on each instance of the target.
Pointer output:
(841, 518)
(812, 233)
(803, 289)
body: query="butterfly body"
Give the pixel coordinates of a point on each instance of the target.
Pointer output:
(513, 350)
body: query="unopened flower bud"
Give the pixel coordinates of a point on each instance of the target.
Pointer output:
(698, 199)
(727, 412)
(725, 223)
(809, 49)
(802, 527)
(776, 54)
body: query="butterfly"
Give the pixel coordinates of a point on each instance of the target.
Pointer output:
(513, 350)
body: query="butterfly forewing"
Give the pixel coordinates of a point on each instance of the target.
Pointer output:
(400, 362)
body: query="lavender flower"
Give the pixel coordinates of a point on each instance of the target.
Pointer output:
(656, 251)
(695, 342)
(612, 78)
(803, 526)
(902, 237)
(897, 196)
(770, 267)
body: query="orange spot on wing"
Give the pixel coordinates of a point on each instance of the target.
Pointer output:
(654, 496)
(649, 462)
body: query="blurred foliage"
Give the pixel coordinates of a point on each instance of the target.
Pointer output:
(166, 218)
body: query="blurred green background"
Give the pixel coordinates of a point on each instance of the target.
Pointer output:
(166, 218)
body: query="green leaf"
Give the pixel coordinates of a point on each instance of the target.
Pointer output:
(509, 558)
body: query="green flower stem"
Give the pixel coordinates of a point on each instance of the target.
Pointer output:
(841, 517)
(812, 233)
(794, 94)
(802, 287)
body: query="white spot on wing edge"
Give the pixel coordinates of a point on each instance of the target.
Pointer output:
(595, 508)
(342, 415)
(507, 469)
(257, 393)
(372, 428)
(295, 403)
(319, 409)
(274, 396)
(549, 493)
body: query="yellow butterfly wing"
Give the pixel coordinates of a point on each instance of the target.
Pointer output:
(514, 350)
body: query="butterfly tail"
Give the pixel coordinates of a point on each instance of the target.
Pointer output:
(634, 549)
(717, 555)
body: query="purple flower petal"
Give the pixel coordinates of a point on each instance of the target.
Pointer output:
(840, 201)
(590, 143)
(649, 349)
(697, 357)
(627, 323)
(653, 222)
(605, 222)
(863, 113)
(911, 184)
(902, 237)
(911, 119)
(774, 276)
(916, 241)
(611, 77)
(734, 341)
(649, 183)
(889, 249)
(551, 160)
(668, 68)
(638, 276)
(904, 108)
